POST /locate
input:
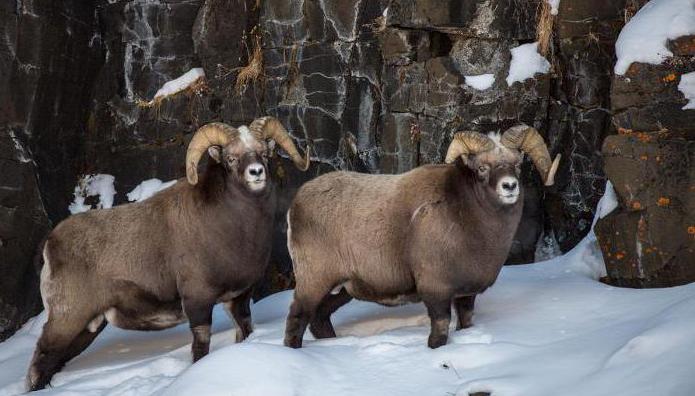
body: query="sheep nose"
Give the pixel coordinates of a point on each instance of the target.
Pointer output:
(509, 186)
(255, 170)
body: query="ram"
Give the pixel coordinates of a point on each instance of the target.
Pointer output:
(157, 263)
(437, 234)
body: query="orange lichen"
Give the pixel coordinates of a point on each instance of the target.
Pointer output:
(643, 137)
(670, 77)
(620, 255)
(691, 230)
(636, 205)
(663, 201)
(644, 157)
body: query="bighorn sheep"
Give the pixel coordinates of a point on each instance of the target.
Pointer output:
(436, 234)
(157, 263)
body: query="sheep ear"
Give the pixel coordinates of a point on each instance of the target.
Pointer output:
(215, 152)
(469, 161)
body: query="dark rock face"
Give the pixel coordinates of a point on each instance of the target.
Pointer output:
(375, 86)
(579, 116)
(47, 64)
(649, 241)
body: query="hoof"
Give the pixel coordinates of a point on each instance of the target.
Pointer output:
(293, 342)
(436, 341)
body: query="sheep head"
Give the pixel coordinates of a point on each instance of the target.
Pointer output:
(242, 151)
(496, 159)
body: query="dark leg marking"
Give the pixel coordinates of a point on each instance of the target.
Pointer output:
(241, 312)
(301, 312)
(60, 341)
(464, 311)
(321, 326)
(439, 311)
(199, 312)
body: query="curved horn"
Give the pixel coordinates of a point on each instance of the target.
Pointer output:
(527, 139)
(213, 134)
(467, 142)
(271, 128)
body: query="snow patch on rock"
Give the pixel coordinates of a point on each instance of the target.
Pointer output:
(687, 87)
(526, 62)
(644, 38)
(179, 84)
(100, 185)
(554, 6)
(480, 82)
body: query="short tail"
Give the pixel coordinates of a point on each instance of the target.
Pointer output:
(38, 257)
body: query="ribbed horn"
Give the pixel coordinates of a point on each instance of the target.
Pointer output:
(213, 134)
(467, 142)
(524, 138)
(271, 128)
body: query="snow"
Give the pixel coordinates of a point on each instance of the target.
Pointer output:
(644, 38)
(147, 189)
(687, 87)
(543, 329)
(554, 6)
(100, 185)
(181, 83)
(480, 82)
(526, 62)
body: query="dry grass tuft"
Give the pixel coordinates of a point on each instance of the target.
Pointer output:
(544, 27)
(251, 72)
(631, 8)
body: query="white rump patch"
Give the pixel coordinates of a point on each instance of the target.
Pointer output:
(289, 238)
(45, 278)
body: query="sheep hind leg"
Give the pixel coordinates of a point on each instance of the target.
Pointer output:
(60, 341)
(302, 311)
(240, 309)
(439, 311)
(321, 326)
(464, 311)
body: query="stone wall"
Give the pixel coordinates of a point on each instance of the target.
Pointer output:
(376, 86)
(649, 241)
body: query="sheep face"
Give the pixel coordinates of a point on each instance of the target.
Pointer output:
(498, 172)
(245, 159)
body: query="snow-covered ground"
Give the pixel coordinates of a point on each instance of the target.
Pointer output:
(543, 329)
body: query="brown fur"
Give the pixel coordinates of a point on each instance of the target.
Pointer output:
(434, 234)
(157, 263)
